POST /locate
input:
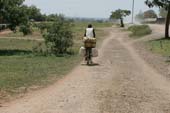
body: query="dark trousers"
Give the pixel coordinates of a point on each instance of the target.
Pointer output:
(89, 53)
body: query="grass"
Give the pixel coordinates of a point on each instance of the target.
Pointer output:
(17, 44)
(139, 30)
(160, 46)
(20, 68)
(25, 71)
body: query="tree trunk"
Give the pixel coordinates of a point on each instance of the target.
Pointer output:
(167, 23)
(121, 21)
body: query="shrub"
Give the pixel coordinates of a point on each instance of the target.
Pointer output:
(25, 29)
(42, 26)
(140, 30)
(59, 36)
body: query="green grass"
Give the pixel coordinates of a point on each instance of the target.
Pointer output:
(17, 44)
(161, 46)
(19, 67)
(139, 30)
(20, 71)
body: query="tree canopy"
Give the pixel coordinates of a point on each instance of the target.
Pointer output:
(13, 12)
(118, 14)
(160, 3)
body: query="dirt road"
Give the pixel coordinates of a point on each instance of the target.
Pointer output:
(122, 83)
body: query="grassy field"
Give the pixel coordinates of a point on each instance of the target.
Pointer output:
(160, 46)
(20, 68)
(139, 30)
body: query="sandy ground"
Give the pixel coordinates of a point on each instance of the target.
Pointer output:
(5, 32)
(156, 61)
(123, 82)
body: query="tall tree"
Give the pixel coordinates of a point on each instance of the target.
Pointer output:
(120, 14)
(165, 4)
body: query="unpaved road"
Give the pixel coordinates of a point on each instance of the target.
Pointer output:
(122, 83)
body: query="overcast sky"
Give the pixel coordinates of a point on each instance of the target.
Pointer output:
(86, 8)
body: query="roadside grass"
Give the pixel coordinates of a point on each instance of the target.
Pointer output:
(12, 44)
(139, 31)
(20, 69)
(160, 46)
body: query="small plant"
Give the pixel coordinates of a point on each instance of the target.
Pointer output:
(140, 30)
(59, 36)
(38, 49)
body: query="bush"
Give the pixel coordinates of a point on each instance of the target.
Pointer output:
(39, 50)
(25, 29)
(140, 30)
(59, 36)
(43, 26)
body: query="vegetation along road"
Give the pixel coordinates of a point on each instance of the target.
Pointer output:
(123, 82)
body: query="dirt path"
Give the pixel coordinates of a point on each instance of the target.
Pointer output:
(5, 32)
(122, 83)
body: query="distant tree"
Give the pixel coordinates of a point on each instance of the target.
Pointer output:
(162, 12)
(165, 4)
(120, 14)
(150, 14)
(140, 16)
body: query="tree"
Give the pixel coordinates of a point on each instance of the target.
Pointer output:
(35, 14)
(59, 36)
(150, 14)
(165, 4)
(162, 13)
(120, 14)
(13, 12)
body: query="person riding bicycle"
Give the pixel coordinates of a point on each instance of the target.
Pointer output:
(89, 33)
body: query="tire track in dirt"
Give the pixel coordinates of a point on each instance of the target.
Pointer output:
(122, 83)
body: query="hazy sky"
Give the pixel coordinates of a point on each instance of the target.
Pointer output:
(86, 8)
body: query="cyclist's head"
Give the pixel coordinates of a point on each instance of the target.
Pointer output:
(90, 26)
